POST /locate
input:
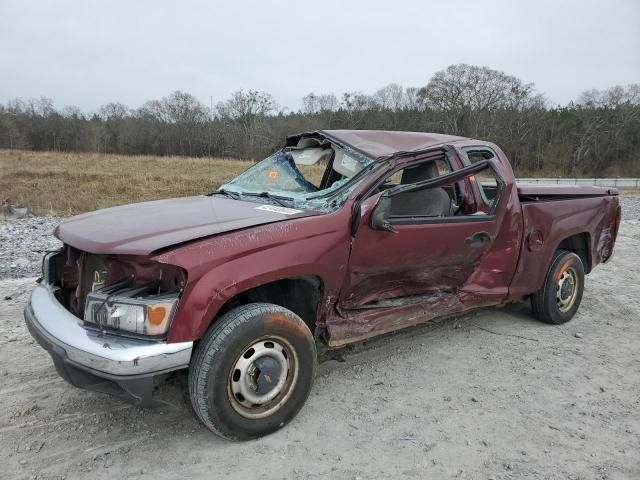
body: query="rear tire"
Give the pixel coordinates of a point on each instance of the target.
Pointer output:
(559, 298)
(252, 371)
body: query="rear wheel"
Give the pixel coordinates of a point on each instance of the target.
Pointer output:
(558, 300)
(252, 371)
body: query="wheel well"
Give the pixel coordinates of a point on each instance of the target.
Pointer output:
(578, 244)
(301, 295)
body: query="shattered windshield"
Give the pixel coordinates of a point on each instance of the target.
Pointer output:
(308, 178)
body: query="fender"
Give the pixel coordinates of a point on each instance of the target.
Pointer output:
(221, 267)
(555, 222)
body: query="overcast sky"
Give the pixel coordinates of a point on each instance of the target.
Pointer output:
(87, 53)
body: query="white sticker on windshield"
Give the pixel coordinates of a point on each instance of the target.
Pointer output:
(277, 209)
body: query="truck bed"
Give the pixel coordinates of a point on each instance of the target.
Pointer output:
(583, 219)
(532, 192)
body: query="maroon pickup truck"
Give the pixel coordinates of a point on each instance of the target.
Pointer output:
(339, 236)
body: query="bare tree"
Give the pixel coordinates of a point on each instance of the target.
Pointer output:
(247, 104)
(467, 92)
(314, 104)
(412, 99)
(245, 115)
(113, 111)
(391, 97)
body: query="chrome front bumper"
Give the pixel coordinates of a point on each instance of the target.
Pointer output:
(87, 358)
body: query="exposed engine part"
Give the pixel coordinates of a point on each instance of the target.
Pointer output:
(88, 266)
(79, 274)
(99, 279)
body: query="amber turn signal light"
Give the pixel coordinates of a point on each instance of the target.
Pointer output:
(156, 315)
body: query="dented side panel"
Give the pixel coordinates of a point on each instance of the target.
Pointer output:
(416, 260)
(551, 222)
(492, 277)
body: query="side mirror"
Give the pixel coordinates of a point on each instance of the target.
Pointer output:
(380, 215)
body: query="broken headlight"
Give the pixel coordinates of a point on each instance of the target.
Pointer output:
(144, 316)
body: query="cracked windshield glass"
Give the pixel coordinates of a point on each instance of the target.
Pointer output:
(300, 177)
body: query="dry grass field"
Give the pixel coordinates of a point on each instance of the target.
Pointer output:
(68, 183)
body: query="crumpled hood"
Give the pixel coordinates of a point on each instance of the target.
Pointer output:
(142, 228)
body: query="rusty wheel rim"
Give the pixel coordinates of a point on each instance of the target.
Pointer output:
(567, 288)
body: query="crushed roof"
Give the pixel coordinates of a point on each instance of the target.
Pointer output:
(383, 143)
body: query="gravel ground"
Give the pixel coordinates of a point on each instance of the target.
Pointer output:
(630, 207)
(24, 241)
(493, 394)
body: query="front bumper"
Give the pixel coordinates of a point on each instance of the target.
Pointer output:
(120, 366)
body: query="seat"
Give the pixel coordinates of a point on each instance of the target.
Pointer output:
(431, 202)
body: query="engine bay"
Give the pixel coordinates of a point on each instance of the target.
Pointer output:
(116, 292)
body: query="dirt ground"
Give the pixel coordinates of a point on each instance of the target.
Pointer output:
(493, 394)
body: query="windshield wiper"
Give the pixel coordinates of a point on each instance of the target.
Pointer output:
(229, 193)
(275, 198)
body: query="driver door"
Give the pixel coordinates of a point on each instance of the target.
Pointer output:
(429, 251)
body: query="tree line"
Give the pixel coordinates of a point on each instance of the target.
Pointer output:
(598, 134)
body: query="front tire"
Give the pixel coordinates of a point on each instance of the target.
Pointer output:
(252, 371)
(558, 300)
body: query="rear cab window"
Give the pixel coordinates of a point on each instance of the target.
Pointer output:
(487, 183)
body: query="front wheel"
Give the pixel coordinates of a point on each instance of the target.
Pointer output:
(558, 300)
(253, 371)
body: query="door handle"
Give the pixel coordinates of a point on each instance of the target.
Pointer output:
(478, 239)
